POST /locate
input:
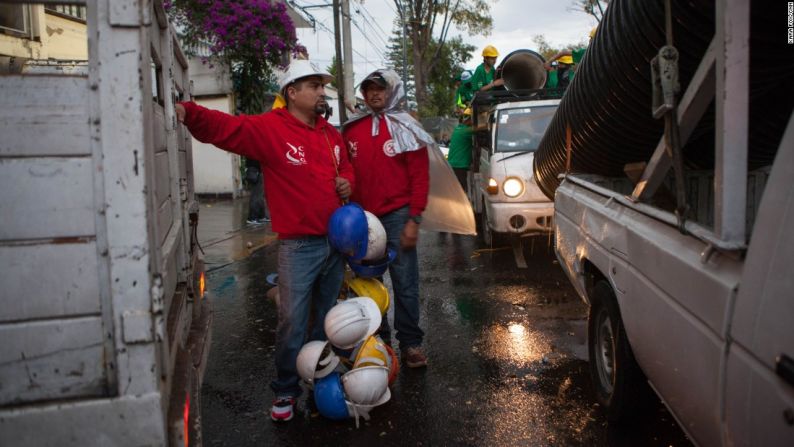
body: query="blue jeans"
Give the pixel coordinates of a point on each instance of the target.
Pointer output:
(404, 272)
(309, 278)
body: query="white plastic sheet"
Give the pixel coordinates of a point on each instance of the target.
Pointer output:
(448, 208)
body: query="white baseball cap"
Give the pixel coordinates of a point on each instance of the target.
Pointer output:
(300, 69)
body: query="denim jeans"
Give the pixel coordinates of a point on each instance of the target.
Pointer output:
(309, 278)
(404, 272)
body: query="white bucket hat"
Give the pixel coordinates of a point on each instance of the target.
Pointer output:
(300, 69)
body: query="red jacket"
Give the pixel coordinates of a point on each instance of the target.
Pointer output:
(386, 181)
(299, 162)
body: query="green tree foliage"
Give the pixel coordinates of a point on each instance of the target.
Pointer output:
(333, 69)
(440, 89)
(250, 36)
(428, 23)
(548, 50)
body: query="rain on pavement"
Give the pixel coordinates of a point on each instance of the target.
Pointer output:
(506, 346)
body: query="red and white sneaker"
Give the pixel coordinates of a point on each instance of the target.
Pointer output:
(282, 409)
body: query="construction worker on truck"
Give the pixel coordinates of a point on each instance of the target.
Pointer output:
(484, 74)
(568, 57)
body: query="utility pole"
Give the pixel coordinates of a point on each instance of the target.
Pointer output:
(401, 8)
(350, 94)
(339, 75)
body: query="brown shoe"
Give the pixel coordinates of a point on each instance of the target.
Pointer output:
(414, 357)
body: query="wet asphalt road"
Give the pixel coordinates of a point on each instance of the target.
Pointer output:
(507, 352)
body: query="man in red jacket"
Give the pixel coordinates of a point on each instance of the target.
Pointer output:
(388, 149)
(307, 175)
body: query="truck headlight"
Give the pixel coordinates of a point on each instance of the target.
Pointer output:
(513, 187)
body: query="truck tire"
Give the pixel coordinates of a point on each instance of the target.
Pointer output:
(619, 384)
(487, 234)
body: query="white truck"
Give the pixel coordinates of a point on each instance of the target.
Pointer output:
(104, 332)
(702, 309)
(503, 188)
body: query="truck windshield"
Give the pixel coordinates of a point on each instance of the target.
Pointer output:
(522, 128)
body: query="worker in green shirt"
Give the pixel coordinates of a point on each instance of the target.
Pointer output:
(568, 57)
(460, 144)
(464, 93)
(483, 78)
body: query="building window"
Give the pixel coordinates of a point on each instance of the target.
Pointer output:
(14, 19)
(70, 11)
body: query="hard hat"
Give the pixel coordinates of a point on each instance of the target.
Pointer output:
(348, 230)
(568, 60)
(467, 112)
(316, 360)
(394, 364)
(366, 385)
(371, 352)
(490, 51)
(351, 321)
(372, 288)
(372, 269)
(357, 410)
(376, 238)
(465, 76)
(329, 396)
(300, 69)
(593, 32)
(279, 102)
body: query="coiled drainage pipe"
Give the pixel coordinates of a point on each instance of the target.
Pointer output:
(608, 105)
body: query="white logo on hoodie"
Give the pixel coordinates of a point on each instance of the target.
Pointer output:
(295, 155)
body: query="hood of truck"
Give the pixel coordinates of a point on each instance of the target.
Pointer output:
(518, 165)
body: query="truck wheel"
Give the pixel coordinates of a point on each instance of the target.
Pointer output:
(487, 234)
(620, 386)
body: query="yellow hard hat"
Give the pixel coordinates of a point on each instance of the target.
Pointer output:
(467, 112)
(279, 103)
(371, 288)
(371, 352)
(490, 51)
(568, 60)
(593, 32)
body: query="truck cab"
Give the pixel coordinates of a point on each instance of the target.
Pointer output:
(503, 190)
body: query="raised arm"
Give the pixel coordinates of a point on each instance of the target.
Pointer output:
(228, 132)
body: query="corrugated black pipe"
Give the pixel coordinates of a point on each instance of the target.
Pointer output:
(608, 105)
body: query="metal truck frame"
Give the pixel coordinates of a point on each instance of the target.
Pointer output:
(704, 316)
(104, 330)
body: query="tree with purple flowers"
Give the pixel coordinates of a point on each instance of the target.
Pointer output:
(251, 36)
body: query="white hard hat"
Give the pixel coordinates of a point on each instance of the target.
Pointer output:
(316, 360)
(376, 244)
(465, 76)
(366, 385)
(357, 410)
(300, 69)
(351, 321)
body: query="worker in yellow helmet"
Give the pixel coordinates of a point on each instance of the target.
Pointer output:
(483, 78)
(567, 58)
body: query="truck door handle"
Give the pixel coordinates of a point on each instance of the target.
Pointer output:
(784, 368)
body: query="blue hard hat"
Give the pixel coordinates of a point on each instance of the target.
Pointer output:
(348, 231)
(372, 269)
(329, 395)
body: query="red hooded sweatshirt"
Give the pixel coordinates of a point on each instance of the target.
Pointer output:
(299, 162)
(385, 180)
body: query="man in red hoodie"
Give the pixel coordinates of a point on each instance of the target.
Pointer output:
(307, 175)
(388, 149)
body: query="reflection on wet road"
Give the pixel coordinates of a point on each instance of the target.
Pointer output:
(507, 361)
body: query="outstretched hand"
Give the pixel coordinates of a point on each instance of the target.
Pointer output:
(180, 113)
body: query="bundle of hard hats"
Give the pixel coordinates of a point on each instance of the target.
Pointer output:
(352, 386)
(359, 235)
